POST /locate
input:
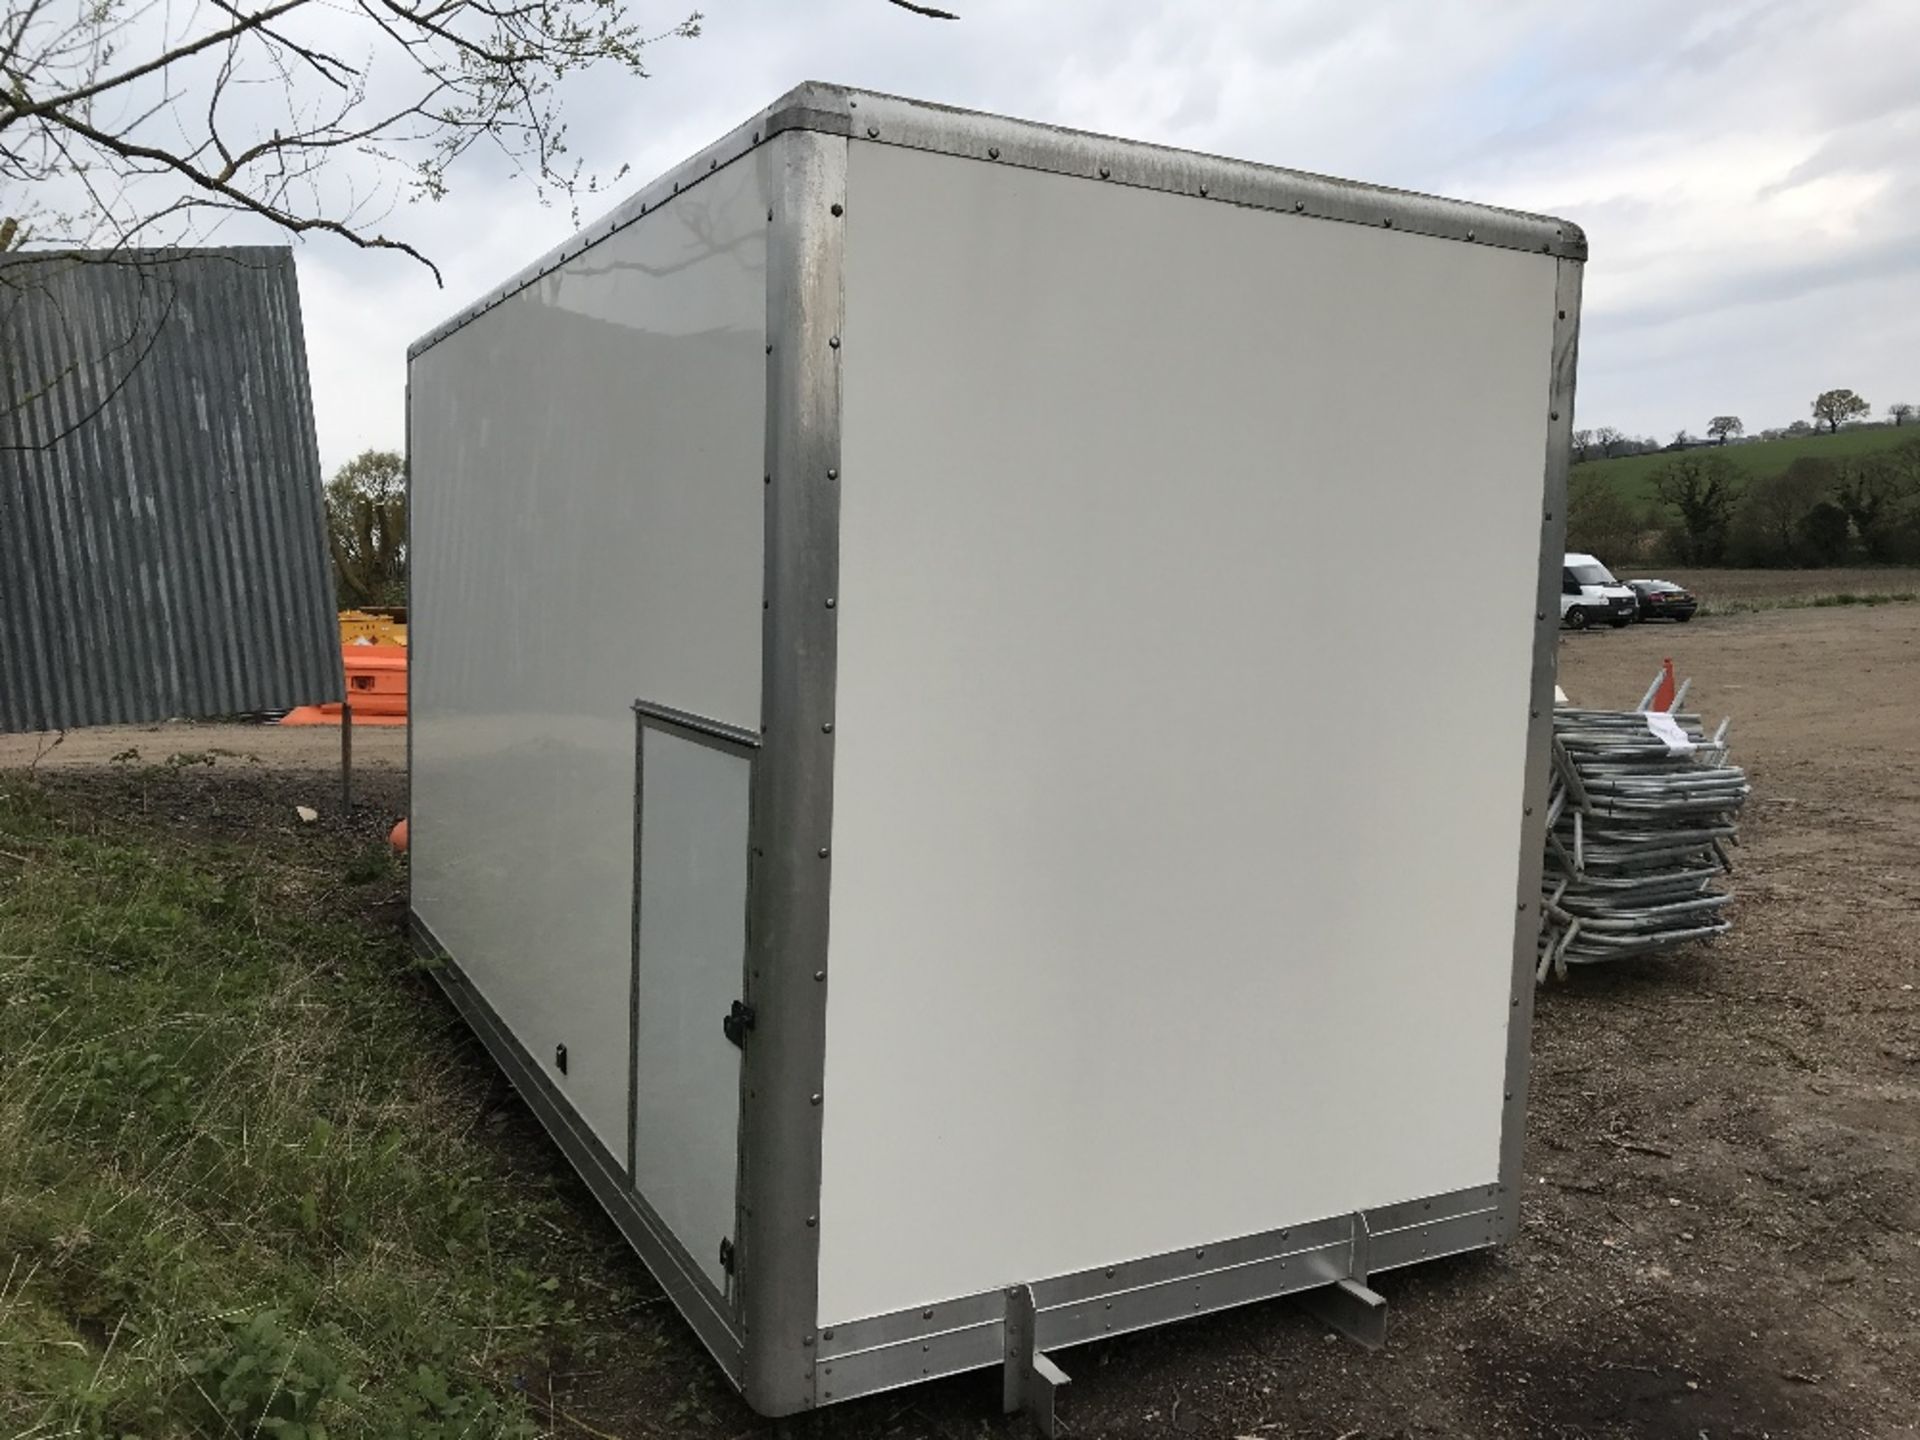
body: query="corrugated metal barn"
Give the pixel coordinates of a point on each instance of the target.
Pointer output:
(162, 530)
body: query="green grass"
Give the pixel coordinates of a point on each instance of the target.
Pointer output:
(243, 1190)
(1633, 474)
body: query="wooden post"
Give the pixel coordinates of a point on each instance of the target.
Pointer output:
(346, 756)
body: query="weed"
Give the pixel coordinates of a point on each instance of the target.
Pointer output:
(242, 1192)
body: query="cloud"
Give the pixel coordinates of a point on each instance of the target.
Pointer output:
(1746, 172)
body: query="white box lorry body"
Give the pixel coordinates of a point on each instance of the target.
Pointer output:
(921, 771)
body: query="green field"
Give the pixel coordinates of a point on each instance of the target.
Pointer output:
(1633, 474)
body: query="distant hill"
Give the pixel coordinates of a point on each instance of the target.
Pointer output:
(1633, 474)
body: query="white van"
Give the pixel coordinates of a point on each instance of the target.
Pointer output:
(1588, 592)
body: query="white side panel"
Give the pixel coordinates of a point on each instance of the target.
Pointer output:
(587, 530)
(693, 935)
(1187, 579)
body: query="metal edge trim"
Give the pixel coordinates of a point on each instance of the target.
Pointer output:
(977, 135)
(905, 1347)
(918, 125)
(778, 1248)
(790, 112)
(1564, 358)
(669, 1263)
(696, 725)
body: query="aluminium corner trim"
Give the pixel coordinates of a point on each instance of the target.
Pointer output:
(785, 1062)
(678, 1274)
(917, 125)
(1546, 654)
(839, 110)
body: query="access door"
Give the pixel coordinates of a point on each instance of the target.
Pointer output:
(690, 935)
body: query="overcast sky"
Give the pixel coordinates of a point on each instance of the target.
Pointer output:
(1748, 173)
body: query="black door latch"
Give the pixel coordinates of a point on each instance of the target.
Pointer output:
(738, 1021)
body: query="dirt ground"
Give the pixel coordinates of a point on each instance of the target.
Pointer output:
(1721, 1226)
(189, 742)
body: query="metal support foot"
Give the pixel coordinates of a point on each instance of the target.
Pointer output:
(1355, 1311)
(1031, 1381)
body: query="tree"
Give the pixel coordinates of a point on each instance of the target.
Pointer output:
(367, 529)
(1599, 520)
(1582, 445)
(1607, 438)
(1768, 528)
(1901, 411)
(127, 121)
(1799, 427)
(1700, 489)
(1681, 439)
(1726, 427)
(1831, 407)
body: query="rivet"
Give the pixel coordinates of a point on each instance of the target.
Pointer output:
(827, 729)
(1546, 247)
(806, 1339)
(813, 1220)
(1200, 1254)
(1516, 1002)
(769, 347)
(1285, 1233)
(1553, 414)
(993, 152)
(823, 852)
(1109, 1272)
(1509, 1094)
(926, 1314)
(826, 1334)
(833, 343)
(837, 209)
(833, 474)
(1013, 1289)
(1528, 810)
(814, 1099)
(1563, 314)
(1533, 714)
(1299, 204)
(756, 137)
(1105, 173)
(873, 132)
(1388, 222)
(829, 602)
(1549, 515)
(820, 975)
(1521, 906)
(1469, 234)
(766, 479)
(1539, 614)
(1203, 191)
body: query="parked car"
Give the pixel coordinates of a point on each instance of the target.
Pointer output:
(1663, 600)
(1589, 593)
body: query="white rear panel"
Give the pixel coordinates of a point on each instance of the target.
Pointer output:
(587, 499)
(1188, 567)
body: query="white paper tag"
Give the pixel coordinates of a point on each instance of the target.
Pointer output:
(1667, 730)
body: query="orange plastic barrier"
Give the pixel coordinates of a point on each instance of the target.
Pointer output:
(376, 683)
